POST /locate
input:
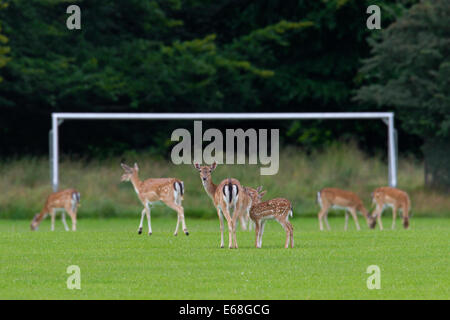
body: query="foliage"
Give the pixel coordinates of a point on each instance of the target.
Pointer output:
(4, 50)
(24, 183)
(410, 69)
(162, 56)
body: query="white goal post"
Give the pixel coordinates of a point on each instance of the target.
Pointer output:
(387, 117)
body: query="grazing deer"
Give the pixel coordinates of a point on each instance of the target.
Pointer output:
(279, 209)
(391, 197)
(168, 190)
(341, 199)
(68, 200)
(225, 197)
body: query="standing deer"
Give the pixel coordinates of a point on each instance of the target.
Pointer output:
(341, 199)
(168, 190)
(391, 197)
(225, 197)
(279, 209)
(67, 200)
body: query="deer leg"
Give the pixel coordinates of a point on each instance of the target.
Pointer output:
(322, 212)
(63, 218)
(291, 230)
(52, 216)
(234, 221)
(261, 224)
(183, 222)
(243, 222)
(181, 218)
(73, 216)
(379, 211)
(261, 232)
(219, 213)
(178, 223)
(346, 220)
(250, 222)
(405, 216)
(379, 222)
(394, 216)
(178, 218)
(230, 233)
(148, 213)
(355, 217)
(226, 213)
(288, 232)
(257, 228)
(326, 221)
(142, 221)
(180, 212)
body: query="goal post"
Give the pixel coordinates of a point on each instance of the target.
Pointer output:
(386, 117)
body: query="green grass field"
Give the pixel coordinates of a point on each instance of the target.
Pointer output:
(117, 263)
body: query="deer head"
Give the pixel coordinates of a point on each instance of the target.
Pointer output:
(205, 171)
(372, 221)
(129, 172)
(35, 222)
(255, 194)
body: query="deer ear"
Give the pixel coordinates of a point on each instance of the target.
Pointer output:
(259, 189)
(197, 166)
(214, 165)
(125, 167)
(136, 166)
(262, 193)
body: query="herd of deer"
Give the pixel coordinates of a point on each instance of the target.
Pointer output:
(234, 201)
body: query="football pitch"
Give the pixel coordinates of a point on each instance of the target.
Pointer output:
(117, 263)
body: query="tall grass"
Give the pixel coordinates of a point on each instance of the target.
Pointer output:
(25, 183)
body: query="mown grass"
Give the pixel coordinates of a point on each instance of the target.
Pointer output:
(25, 183)
(117, 263)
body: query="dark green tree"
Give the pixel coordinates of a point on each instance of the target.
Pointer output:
(410, 71)
(172, 56)
(4, 50)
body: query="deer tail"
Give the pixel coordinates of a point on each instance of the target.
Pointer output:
(230, 191)
(178, 191)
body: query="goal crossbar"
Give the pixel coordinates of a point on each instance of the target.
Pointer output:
(387, 117)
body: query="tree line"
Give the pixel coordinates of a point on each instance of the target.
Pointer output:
(221, 56)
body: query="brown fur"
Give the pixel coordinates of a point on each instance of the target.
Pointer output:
(221, 202)
(57, 200)
(329, 197)
(398, 199)
(156, 189)
(278, 209)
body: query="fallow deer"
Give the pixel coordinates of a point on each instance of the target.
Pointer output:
(225, 197)
(279, 209)
(68, 200)
(341, 199)
(168, 190)
(391, 197)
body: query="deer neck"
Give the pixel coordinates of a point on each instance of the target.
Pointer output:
(136, 182)
(210, 187)
(364, 212)
(41, 214)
